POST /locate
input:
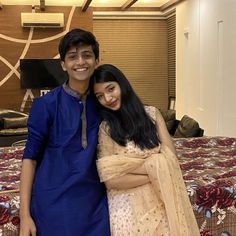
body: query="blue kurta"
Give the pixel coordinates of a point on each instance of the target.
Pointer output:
(67, 196)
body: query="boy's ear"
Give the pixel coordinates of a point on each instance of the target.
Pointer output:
(97, 63)
(63, 65)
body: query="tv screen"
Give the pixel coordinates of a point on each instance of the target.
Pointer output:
(41, 73)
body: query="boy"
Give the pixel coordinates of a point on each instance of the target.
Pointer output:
(60, 190)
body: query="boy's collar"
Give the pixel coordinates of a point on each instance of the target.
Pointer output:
(72, 92)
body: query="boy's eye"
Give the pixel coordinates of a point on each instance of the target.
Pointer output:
(72, 56)
(75, 56)
(87, 55)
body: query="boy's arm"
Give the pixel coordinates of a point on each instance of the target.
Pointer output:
(38, 128)
(27, 226)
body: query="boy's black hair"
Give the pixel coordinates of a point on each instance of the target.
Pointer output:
(130, 122)
(76, 38)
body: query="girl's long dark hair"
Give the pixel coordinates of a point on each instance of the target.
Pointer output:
(130, 122)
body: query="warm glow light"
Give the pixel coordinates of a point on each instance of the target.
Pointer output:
(149, 3)
(94, 3)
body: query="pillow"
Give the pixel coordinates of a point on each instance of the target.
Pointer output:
(10, 132)
(5, 113)
(169, 117)
(187, 127)
(17, 122)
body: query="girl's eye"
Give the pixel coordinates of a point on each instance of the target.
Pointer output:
(99, 97)
(110, 89)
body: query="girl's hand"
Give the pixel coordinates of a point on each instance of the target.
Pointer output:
(140, 170)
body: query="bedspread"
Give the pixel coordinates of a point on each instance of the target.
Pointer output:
(10, 165)
(209, 169)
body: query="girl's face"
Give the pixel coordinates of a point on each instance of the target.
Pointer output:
(108, 94)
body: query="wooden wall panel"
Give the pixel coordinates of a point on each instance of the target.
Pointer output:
(139, 48)
(171, 30)
(43, 50)
(11, 48)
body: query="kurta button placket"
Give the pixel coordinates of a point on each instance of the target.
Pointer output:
(84, 123)
(82, 101)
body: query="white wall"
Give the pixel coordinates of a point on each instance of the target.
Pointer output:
(206, 64)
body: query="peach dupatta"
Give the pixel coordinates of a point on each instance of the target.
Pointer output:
(166, 179)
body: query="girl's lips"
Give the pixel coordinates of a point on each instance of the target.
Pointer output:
(112, 104)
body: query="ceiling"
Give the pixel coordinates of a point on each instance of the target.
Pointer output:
(121, 4)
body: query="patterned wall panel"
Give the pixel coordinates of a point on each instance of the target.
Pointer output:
(17, 43)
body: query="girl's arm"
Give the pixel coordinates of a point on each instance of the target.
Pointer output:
(27, 226)
(163, 133)
(125, 181)
(164, 138)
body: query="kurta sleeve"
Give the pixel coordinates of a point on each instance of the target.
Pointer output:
(38, 128)
(111, 164)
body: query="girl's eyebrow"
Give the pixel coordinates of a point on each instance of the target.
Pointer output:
(108, 85)
(105, 88)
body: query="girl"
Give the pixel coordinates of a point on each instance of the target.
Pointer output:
(137, 162)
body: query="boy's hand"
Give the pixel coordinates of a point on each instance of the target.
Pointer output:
(27, 227)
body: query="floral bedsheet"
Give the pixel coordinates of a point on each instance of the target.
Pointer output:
(209, 170)
(10, 166)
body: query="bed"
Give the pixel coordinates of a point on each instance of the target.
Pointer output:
(10, 165)
(209, 170)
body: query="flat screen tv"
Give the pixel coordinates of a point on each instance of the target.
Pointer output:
(41, 73)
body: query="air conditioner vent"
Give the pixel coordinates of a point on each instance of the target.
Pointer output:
(53, 25)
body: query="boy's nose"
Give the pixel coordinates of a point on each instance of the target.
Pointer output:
(80, 60)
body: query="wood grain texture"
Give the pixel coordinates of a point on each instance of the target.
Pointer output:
(11, 95)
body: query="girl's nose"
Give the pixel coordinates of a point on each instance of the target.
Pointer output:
(107, 97)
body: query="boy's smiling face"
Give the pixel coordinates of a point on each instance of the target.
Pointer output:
(80, 63)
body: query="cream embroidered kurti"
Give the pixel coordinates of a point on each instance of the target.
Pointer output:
(161, 207)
